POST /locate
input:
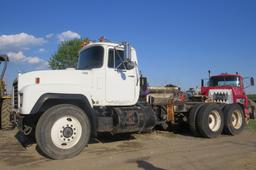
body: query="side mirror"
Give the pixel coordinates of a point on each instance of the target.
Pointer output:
(252, 81)
(129, 64)
(127, 51)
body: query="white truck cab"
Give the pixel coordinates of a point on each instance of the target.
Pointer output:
(101, 76)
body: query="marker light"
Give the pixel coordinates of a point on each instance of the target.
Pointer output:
(37, 80)
(102, 39)
(85, 42)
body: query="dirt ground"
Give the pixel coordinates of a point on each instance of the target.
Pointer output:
(155, 151)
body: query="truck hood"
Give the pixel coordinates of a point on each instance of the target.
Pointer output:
(55, 77)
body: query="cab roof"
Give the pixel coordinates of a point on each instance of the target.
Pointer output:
(90, 44)
(227, 75)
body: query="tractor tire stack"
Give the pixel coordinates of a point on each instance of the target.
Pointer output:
(6, 123)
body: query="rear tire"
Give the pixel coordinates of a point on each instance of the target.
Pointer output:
(234, 120)
(63, 131)
(6, 123)
(210, 121)
(192, 121)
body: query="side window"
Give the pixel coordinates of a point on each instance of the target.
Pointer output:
(115, 59)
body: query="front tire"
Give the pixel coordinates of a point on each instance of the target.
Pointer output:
(63, 131)
(210, 121)
(234, 119)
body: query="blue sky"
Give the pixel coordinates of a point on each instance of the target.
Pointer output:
(176, 41)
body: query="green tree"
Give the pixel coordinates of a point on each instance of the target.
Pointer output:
(66, 55)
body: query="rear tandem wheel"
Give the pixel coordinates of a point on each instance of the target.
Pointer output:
(234, 119)
(210, 120)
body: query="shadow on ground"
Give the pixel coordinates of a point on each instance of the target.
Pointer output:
(108, 138)
(147, 166)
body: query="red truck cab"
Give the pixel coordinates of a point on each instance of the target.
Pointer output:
(227, 88)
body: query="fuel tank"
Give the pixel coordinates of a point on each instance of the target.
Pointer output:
(139, 118)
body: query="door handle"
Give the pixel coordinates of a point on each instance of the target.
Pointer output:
(131, 76)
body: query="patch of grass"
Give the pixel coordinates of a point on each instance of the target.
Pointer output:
(252, 124)
(252, 96)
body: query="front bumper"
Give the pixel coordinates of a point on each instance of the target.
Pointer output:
(19, 120)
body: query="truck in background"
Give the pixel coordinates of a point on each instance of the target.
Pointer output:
(229, 88)
(106, 93)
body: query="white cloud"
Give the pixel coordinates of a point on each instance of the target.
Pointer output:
(33, 60)
(43, 66)
(68, 35)
(41, 50)
(16, 56)
(19, 56)
(49, 35)
(21, 41)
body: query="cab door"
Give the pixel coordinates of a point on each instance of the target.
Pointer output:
(120, 82)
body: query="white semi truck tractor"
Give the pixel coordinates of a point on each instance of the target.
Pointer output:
(63, 109)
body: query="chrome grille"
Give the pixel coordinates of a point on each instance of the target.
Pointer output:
(15, 95)
(221, 95)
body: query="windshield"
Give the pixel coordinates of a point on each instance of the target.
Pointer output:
(225, 81)
(91, 58)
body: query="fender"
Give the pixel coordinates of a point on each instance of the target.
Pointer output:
(49, 99)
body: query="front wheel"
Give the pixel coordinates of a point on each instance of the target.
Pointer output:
(63, 131)
(234, 119)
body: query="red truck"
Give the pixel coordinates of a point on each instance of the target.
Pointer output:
(229, 89)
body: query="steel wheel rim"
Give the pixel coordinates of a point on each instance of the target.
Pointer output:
(214, 121)
(66, 132)
(236, 119)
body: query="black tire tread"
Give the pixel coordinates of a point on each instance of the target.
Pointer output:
(42, 141)
(228, 129)
(192, 120)
(6, 123)
(202, 120)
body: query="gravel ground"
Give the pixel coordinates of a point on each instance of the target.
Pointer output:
(155, 151)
